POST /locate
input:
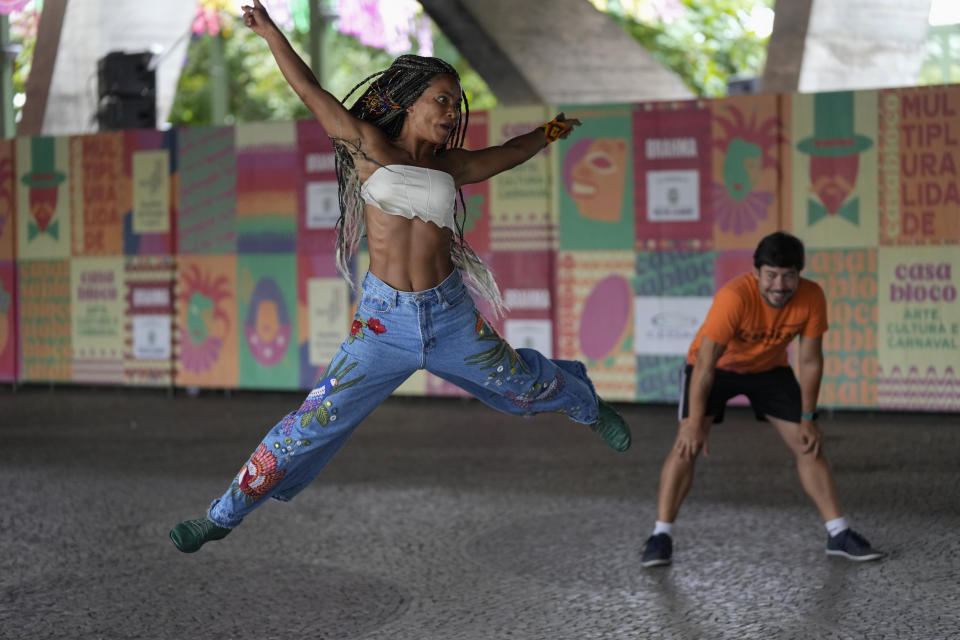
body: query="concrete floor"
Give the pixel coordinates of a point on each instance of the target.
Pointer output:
(441, 519)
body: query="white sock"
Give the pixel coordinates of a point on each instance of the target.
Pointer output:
(662, 527)
(836, 526)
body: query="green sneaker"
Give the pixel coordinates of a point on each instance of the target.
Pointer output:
(190, 535)
(611, 427)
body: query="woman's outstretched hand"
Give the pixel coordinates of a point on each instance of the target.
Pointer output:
(257, 19)
(568, 125)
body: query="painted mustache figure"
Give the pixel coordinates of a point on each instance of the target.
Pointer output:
(44, 183)
(834, 151)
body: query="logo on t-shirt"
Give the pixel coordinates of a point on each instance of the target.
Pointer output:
(779, 335)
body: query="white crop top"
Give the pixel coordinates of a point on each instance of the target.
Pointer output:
(408, 191)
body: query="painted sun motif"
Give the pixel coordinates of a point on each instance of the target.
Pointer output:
(207, 322)
(749, 147)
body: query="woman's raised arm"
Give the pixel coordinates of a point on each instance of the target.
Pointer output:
(333, 116)
(476, 166)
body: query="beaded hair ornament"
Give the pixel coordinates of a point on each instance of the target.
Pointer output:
(378, 98)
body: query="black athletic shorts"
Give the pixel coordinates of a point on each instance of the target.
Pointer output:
(771, 393)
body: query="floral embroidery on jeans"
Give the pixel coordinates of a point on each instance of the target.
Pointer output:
(318, 404)
(500, 355)
(288, 446)
(356, 329)
(538, 392)
(259, 475)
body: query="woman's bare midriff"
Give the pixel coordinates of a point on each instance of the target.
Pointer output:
(408, 255)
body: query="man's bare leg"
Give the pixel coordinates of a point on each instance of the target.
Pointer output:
(816, 476)
(676, 478)
(814, 470)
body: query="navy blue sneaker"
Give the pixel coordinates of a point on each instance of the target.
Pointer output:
(852, 546)
(612, 428)
(657, 551)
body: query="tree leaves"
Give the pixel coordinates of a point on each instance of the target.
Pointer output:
(710, 42)
(258, 92)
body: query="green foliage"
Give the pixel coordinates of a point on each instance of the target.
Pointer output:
(257, 90)
(710, 42)
(349, 62)
(23, 32)
(21, 68)
(940, 64)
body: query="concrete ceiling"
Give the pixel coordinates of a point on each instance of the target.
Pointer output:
(833, 45)
(553, 52)
(545, 52)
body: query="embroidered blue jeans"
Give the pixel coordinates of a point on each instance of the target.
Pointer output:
(394, 334)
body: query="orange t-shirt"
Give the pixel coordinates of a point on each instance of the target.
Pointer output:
(756, 334)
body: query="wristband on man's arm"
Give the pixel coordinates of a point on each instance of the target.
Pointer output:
(811, 415)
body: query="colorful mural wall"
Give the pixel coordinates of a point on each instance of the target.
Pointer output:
(204, 257)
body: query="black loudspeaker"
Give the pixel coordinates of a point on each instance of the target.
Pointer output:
(742, 86)
(127, 91)
(127, 113)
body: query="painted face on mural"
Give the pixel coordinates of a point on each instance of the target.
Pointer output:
(268, 321)
(597, 179)
(833, 179)
(267, 327)
(741, 168)
(777, 284)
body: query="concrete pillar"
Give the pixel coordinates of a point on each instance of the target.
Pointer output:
(785, 48)
(41, 68)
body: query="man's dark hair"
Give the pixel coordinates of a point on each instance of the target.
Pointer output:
(779, 249)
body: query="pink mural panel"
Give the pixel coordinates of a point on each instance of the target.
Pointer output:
(317, 204)
(671, 148)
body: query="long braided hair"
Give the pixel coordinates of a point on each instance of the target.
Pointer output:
(384, 104)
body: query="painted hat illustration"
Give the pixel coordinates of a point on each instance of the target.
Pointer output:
(833, 135)
(43, 179)
(42, 174)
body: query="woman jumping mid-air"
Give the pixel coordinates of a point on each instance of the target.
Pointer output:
(400, 165)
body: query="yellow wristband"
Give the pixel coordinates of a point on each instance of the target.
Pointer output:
(553, 129)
